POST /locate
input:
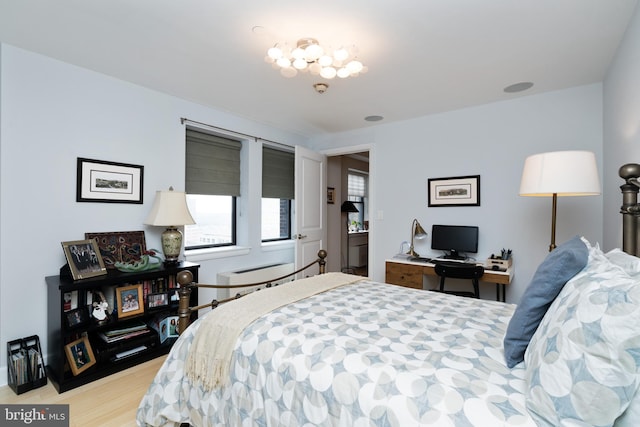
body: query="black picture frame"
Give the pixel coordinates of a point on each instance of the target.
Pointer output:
(77, 317)
(157, 300)
(454, 191)
(109, 182)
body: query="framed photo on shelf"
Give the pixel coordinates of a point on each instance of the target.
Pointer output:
(130, 300)
(70, 300)
(172, 322)
(454, 191)
(123, 246)
(76, 317)
(79, 355)
(157, 300)
(83, 257)
(108, 182)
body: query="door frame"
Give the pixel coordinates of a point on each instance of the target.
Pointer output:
(373, 213)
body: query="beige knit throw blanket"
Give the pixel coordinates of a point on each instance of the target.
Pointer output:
(209, 357)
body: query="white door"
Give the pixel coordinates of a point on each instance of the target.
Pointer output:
(310, 207)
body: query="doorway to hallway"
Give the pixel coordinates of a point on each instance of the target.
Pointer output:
(348, 223)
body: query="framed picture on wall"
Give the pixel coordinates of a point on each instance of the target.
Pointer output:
(331, 195)
(108, 182)
(454, 191)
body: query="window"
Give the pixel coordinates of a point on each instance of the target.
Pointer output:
(212, 185)
(357, 184)
(277, 193)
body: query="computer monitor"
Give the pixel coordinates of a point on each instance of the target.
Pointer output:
(454, 240)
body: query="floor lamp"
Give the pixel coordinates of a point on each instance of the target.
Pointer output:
(348, 207)
(560, 173)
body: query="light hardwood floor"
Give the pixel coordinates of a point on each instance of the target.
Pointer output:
(111, 401)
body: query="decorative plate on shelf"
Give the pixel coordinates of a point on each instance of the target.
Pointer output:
(119, 246)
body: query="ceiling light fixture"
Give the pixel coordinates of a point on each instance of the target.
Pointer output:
(309, 56)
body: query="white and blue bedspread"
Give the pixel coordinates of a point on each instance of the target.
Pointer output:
(360, 355)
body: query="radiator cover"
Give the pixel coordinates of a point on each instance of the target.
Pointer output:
(252, 275)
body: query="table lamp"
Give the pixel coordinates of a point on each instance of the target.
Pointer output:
(170, 210)
(417, 232)
(560, 173)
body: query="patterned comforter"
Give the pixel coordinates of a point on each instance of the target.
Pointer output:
(360, 355)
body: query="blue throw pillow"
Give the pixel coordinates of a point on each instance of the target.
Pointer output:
(558, 267)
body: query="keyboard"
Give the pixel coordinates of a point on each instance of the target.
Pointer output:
(461, 261)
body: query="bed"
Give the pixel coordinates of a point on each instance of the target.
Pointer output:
(355, 352)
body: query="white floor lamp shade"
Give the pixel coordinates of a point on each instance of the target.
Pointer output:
(560, 173)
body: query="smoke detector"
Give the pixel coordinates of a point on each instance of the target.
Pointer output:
(321, 87)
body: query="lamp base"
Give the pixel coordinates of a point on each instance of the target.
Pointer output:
(413, 253)
(171, 245)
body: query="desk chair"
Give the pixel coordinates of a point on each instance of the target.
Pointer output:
(456, 270)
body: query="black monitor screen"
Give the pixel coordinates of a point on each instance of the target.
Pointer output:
(454, 239)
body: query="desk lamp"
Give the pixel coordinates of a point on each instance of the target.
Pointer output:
(560, 173)
(170, 210)
(417, 232)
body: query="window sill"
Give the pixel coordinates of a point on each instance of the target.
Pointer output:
(278, 245)
(197, 255)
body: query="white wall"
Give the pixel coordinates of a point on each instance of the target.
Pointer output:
(491, 141)
(51, 113)
(621, 126)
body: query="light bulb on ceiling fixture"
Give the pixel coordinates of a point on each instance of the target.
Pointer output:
(328, 72)
(274, 53)
(341, 54)
(343, 73)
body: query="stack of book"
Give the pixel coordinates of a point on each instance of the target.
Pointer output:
(125, 333)
(121, 342)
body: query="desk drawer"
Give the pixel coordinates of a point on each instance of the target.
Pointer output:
(406, 275)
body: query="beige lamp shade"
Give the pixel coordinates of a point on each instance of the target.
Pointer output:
(565, 173)
(169, 209)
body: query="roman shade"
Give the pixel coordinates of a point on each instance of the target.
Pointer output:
(277, 173)
(212, 164)
(356, 185)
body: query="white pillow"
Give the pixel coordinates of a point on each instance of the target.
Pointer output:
(629, 263)
(583, 362)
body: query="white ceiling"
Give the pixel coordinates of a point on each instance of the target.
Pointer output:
(424, 56)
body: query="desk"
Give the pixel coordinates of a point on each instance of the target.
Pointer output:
(410, 274)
